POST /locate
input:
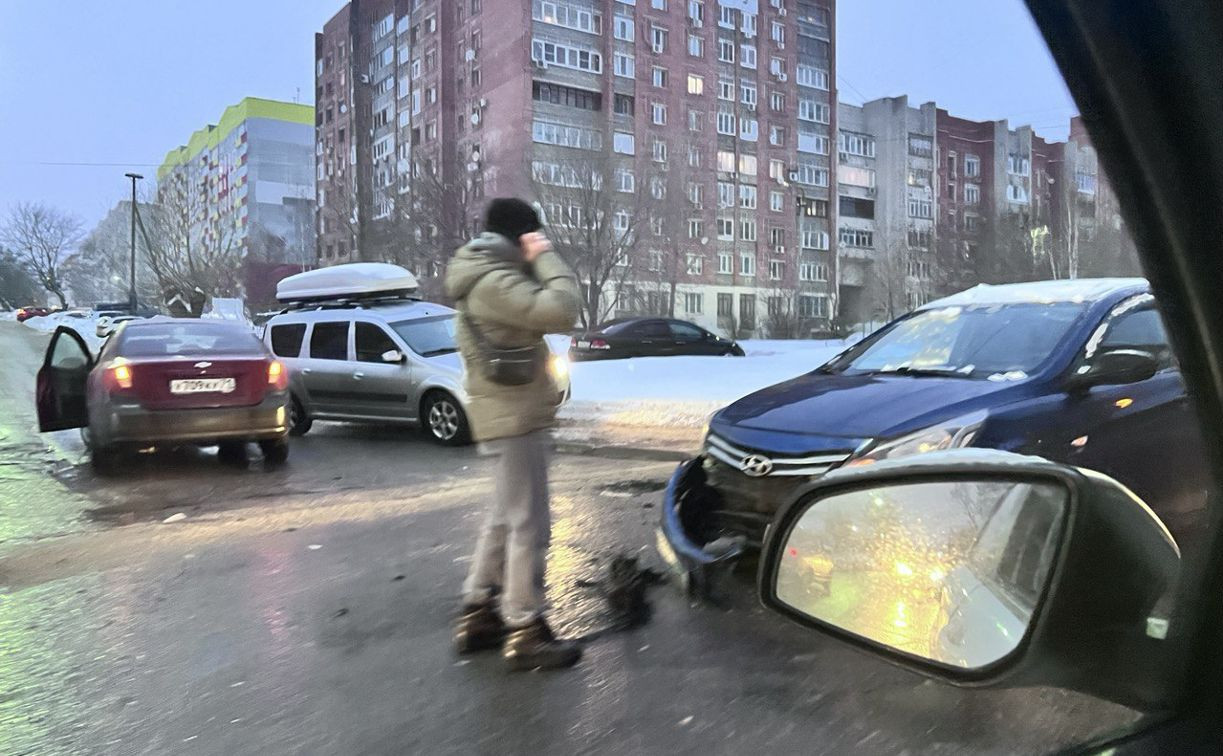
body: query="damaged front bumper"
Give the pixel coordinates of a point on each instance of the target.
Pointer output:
(681, 538)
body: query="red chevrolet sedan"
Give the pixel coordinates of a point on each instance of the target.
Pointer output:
(166, 382)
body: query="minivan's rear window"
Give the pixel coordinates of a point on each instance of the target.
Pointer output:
(195, 337)
(287, 339)
(329, 341)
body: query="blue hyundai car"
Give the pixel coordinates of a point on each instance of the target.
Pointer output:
(1079, 372)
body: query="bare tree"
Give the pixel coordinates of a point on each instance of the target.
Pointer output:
(435, 217)
(42, 237)
(100, 269)
(887, 281)
(782, 317)
(191, 246)
(592, 225)
(17, 286)
(672, 203)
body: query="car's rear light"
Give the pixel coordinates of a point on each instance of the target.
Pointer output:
(599, 344)
(573, 342)
(277, 377)
(120, 377)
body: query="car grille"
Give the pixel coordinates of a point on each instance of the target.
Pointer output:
(746, 504)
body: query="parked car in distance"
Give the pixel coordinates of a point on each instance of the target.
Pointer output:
(649, 337)
(166, 382)
(107, 324)
(25, 313)
(360, 347)
(1078, 372)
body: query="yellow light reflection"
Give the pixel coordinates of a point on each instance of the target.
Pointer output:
(903, 569)
(1123, 403)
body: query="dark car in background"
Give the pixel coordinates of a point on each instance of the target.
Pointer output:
(1079, 372)
(649, 337)
(166, 382)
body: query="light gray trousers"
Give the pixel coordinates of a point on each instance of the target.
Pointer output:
(513, 543)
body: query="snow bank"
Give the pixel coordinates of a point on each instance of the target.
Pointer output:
(665, 401)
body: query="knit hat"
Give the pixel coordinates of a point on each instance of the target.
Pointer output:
(511, 218)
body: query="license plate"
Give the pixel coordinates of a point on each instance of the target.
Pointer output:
(203, 386)
(583, 345)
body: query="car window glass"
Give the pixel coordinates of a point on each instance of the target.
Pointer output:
(372, 342)
(67, 354)
(287, 339)
(1142, 330)
(185, 337)
(651, 330)
(428, 337)
(685, 332)
(329, 341)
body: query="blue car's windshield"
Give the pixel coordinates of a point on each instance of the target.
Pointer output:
(1003, 342)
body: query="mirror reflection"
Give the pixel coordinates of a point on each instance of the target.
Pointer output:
(949, 571)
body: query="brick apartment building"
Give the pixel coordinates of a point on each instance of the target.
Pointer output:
(680, 148)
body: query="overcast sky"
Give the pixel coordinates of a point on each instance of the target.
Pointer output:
(92, 90)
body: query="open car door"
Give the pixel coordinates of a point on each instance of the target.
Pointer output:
(60, 392)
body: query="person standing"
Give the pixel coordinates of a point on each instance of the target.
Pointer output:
(511, 288)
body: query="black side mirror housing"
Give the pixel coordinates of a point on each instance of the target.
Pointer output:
(1099, 624)
(1114, 368)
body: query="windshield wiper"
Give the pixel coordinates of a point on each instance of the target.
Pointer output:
(927, 372)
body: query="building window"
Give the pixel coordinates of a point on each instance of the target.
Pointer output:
(658, 114)
(696, 12)
(777, 33)
(726, 161)
(696, 84)
(747, 57)
(696, 194)
(747, 196)
(919, 208)
(726, 89)
(1016, 193)
(921, 146)
(747, 264)
(856, 237)
(566, 15)
(625, 66)
(726, 229)
(1017, 164)
(696, 120)
(812, 306)
(747, 165)
(972, 192)
(777, 101)
(659, 76)
(624, 104)
(777, 136)
(696, 228)
(726, 123)
(623, 28)
(726, 303)
(814, 239)
(810, 110)
(656, 226)
(726, 194)
(658, 39)
(693, 303)
(777, 237)
(696, 46)
(747, 230)
(726, 266)
(558, 94)
(810, 76)
(747, 94)
(749, 129)
(660, 151)
(919, 238)
(626, 180)
(621, 221)
(972, 166)
(777, 269)
(658, 4)
(694, 156)
(726, 16)
(696, 264)
(777, 201)
(970, 223)
(623, 143)
(861, 145)
(566, 56)
(726, 49)
(566, 136)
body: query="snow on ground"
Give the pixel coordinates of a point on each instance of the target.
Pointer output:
(663, 402)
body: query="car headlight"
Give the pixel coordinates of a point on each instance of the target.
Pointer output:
(952, 434)
(558, 366)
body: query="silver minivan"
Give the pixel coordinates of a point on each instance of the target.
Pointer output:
(384, 361)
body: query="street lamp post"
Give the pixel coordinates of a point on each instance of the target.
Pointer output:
(131, 291)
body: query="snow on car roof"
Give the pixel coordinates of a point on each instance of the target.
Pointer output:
(1039, 292)
(351, 280)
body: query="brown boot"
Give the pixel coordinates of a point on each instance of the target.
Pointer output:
(534, 646)
(479, 628)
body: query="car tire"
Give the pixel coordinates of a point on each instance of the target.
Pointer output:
(275, 451)
(300, 421)
(444, 420)
(232, 452)
(734, 351)
(104, 460)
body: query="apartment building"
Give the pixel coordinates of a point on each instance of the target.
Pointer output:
(245, 182)
(679, 148)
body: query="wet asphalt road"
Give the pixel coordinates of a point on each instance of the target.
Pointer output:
(306, 610)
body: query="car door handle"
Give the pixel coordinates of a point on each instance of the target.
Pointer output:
(358, 376)
(307, 371)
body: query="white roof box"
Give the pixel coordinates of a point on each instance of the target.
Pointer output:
(350, 281)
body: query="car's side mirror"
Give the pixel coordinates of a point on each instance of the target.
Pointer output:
(1115, 367)
(983, 567)
(394, 357)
